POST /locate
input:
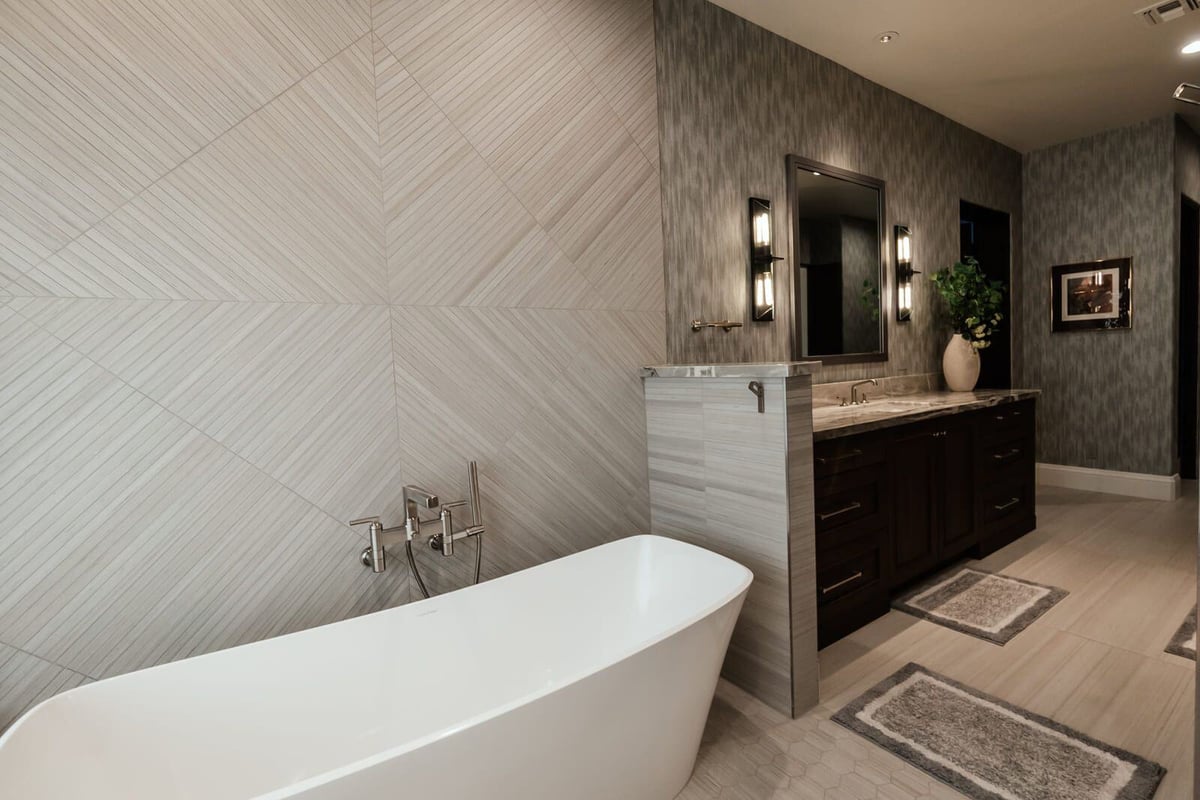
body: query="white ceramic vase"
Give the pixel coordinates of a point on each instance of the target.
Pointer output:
(960, 364)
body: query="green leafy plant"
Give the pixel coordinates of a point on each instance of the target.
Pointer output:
(870, 299)
(972, 302)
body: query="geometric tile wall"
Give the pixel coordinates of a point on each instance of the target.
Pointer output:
(263, 262)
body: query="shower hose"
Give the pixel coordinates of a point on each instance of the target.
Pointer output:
(412, 563)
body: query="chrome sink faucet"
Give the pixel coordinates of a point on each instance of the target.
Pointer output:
(375, 554)
(854, 401)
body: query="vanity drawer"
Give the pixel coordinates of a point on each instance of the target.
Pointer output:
(852, 573)
(840, 455)
(1006, 423)
(849, 499)
(1007, 502)
(1002, 461)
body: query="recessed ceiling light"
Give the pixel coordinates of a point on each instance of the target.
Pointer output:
(816, 173)
(1191, 47)
(888, 36)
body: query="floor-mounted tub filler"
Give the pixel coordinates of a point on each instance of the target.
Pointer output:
(586, 678)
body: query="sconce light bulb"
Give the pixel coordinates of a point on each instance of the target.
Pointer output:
(762, 229)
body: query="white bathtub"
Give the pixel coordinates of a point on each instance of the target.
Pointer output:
(587, 677)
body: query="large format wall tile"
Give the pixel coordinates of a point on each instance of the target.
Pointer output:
(284, 207)
(163, 544)
(268, 266)
(551, 410)
(26, 680)
(303, 392)
(509, 83)
(456, 235)
(614, 41)
(103, 98)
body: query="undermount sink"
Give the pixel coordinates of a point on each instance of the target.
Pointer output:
(871, 408)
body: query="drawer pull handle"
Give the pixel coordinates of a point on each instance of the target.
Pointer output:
(1008, 505)
(824, 515)
(842, 583)
(1016, 451)
(842, 457)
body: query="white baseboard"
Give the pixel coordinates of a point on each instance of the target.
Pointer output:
(1130, 484)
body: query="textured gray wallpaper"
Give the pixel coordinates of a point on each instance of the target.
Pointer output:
(262, 263)
(1108, 398)
(734, 101)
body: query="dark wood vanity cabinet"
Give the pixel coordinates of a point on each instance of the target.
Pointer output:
(896, 504)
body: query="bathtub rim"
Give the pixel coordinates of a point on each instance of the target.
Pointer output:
(739, 591)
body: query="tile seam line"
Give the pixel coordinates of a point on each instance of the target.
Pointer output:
(25, 273)
(190, 425)
(491, 169)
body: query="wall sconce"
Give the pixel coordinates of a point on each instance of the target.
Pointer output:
(904, 273)
(762, 262)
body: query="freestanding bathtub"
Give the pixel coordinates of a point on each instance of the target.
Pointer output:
(587, 678)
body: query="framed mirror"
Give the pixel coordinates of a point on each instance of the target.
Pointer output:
(838, 254)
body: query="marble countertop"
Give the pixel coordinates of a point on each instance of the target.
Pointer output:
(834, 421)
(774, 369)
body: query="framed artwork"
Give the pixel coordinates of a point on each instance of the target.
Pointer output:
(1093, 296)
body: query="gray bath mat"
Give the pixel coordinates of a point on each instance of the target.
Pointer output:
(1183, 643)
(984, 604)
(988, 749)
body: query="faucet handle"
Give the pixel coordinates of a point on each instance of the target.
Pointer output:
(365, 521)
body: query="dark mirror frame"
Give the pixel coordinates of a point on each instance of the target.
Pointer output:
(795, 163)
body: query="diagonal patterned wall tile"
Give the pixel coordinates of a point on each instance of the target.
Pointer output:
(27, 680)
(166, 544)
(506, 79)
(614, 42)
(302, 392)
(285, 207)
(624, 261)
(466, 379)
(579, 459)
(104, 98)
(560, 440)
(455, 234)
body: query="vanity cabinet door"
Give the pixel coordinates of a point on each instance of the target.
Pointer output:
(958, 530)
(913, 461)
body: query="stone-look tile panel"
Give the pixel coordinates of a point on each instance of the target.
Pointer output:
(735, 101)
(104, 98)
(614, 41)
(524, 253)
(456, 235)
(303, 392)
(162, 538)
(723, 476)
(284, 207)
(1107, 196)
(313, 274)
(26, 680)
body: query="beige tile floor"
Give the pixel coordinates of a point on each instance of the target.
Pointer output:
(1094, 662)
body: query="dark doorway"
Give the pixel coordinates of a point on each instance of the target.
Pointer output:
(984, 234)
(1189, 333)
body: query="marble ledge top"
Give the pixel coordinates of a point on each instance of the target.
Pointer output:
(774, 369)
(832, 421)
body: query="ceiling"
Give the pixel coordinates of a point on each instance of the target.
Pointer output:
(1028, 73)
